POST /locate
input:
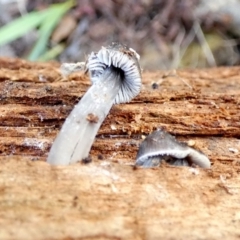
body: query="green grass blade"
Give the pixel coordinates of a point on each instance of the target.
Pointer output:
(52, 53)
(21, 26)
(55, 13)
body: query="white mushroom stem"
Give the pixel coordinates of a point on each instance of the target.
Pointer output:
(76, 137)
(198, 158)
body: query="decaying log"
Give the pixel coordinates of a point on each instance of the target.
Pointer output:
(109, 199)
(36, 100)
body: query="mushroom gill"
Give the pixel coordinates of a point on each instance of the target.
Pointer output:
(161, 146)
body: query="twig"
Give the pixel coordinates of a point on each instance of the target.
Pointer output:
(205, 46)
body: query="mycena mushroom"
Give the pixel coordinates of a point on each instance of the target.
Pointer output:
(161, 146)
(116, 77)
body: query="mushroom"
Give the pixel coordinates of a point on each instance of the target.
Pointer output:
(116, 77)
(160, 145)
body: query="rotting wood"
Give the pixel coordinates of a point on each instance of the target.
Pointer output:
(36, 109)
(108, 199)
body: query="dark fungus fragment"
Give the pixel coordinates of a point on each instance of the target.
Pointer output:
(160, 145)
(100, 157)
(87, 160)
(154, 86)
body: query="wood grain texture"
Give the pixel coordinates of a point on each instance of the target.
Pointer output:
(34, 109)
(109, 198)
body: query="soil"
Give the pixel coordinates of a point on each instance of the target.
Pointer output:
(110, 198)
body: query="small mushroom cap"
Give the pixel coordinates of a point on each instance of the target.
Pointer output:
(164, 146)
(122, 58)
(160, 143)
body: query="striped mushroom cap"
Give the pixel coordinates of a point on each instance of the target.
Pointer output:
(122, 58)
(160, 145)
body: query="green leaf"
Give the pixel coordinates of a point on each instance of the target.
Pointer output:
(47, 20)
(52, 53)
(21, 26)
(55, 13)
